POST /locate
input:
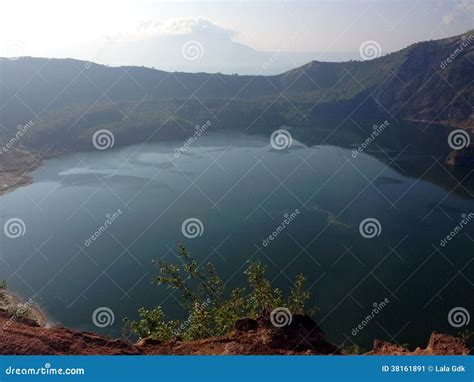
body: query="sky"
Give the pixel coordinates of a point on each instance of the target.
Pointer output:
(222, 35)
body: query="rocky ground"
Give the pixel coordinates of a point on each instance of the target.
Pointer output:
(249, 337)
(464, 157)
(15, 169)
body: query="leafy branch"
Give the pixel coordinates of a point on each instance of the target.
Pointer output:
(210, 310)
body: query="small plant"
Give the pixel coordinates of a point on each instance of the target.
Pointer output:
(8, 304)
(212, 311)
(354, 349)
(406, 345)
(3, 296)
(466, 335)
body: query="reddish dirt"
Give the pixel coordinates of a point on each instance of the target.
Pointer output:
(439, 344)
(250, 337)
(23, 336)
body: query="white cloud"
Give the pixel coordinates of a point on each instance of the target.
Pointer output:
(182, 26)
(147, 29)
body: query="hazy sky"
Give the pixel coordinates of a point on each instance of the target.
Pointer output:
(78, 28)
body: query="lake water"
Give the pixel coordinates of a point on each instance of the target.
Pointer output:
(240, 188)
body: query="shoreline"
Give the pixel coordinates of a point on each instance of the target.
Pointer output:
(17, 166)
(19, 181)
(449, 125)
(16, 169)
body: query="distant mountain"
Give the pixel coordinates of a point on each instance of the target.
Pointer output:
(203, 52)
(189, 45)
(430, 80)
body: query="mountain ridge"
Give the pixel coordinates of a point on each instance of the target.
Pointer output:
(400, 83)
(66, 100)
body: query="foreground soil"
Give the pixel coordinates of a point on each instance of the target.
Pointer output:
(249, 337)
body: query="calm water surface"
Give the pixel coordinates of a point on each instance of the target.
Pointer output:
(241, 189)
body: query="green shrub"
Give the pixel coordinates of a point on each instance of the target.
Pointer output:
(3, 296)
(212, 311)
